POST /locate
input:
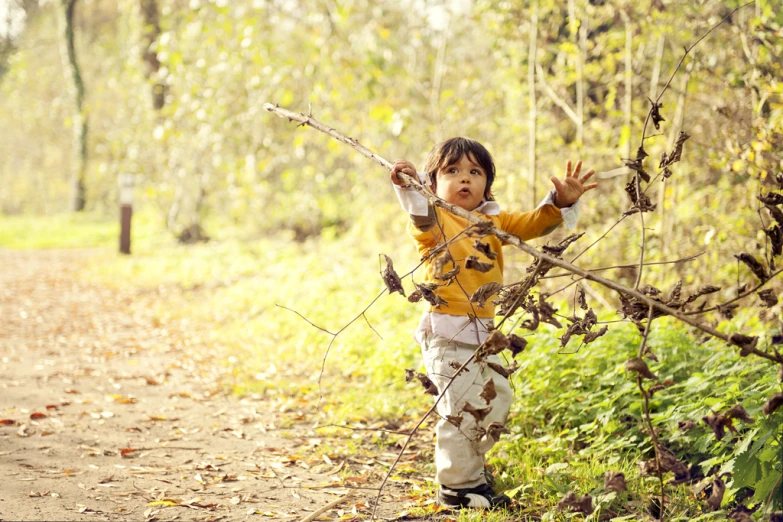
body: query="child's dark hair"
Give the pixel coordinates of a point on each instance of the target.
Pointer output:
(452, 150)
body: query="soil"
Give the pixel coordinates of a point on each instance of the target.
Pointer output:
(107, 414)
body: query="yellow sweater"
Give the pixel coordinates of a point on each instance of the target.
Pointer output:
(525, 225)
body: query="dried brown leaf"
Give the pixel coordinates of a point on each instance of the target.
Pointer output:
(638, 366)
(754, 265)
(768, 297)
(456, 420)
(484, 249)
(473, 263)
(615, 481)
(716, 497)
(478, 413)
(772, 404)
(517, 344)
(448, 276)
(577, 504)
(484, 292)
(738, 412)
(504, 371)
(488, 392)
(390, 277)
(495, 430)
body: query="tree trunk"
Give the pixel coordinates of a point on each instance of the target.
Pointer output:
(150, 34)
(78, 192)
(628, 83)
(531, 82)
(579, 34)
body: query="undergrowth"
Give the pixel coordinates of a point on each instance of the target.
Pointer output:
(577, 413)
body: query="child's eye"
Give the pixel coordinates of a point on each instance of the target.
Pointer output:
(476, 172)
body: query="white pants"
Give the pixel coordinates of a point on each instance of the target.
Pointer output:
(459, 451)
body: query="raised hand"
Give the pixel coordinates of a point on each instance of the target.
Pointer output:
(573, 186)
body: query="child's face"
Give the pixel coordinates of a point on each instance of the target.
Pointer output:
(462, 183)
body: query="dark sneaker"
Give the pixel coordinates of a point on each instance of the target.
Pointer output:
(482, 497)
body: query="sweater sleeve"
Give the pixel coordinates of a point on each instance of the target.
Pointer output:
(426, 238)
(529, 225)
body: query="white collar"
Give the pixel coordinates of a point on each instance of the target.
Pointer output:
(490, 208)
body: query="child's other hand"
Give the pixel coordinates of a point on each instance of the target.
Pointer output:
(573, 186)
(401, 166)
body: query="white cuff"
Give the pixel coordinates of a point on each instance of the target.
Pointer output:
(570, 214)
(411, 201)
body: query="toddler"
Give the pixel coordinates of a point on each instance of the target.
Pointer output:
(461, 171)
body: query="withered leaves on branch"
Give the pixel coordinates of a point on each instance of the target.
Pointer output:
(775, 235)
(772, 198)
(547, 312)
(655, 114)
(427, 291)
(450, 275)
(639, 367)
(718, 422)
(577, 504)
(746, 343)
(484, 249)
(390, 277)
(427, 384)
(753, 264)
(473, 263)
(582, 326)
(704, 290)
(580, 297)
(478, 413)
(775, 212)
(495, 343)
(484, 292)
(505, 371)
(558, 249)
(488, 392)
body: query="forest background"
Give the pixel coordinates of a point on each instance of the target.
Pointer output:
(172, 93)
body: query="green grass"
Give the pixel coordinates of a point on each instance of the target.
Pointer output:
(576, 415)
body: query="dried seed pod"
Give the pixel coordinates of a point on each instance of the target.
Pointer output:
(637, 365)
(704, 290)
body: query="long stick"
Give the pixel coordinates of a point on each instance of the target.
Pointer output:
(317, 513)
(505, 236)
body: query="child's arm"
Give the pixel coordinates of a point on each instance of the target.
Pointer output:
(573, 186)
(423, 222)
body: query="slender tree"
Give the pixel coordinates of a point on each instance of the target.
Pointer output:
(78, 192)
(149, 36)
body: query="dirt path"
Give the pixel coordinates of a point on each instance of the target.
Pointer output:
(105, 414)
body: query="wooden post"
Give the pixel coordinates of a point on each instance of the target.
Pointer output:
(126, 211)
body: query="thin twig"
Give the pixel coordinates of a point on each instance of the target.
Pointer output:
(317, 513)
(648, 420)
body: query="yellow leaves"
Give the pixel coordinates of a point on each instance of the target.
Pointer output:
(382, 113)
(737, 165)
(122, 399)
(164, 502)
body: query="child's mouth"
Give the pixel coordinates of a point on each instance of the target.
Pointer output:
(465, 192)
